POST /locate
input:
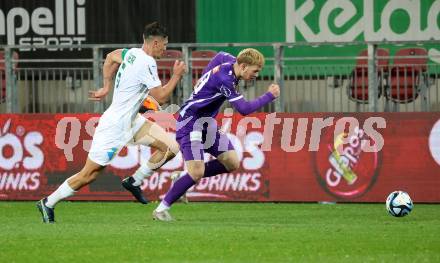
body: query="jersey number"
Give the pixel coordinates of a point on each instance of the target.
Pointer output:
(130, 60)
(201, 82)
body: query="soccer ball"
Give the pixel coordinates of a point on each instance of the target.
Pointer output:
(399, 204)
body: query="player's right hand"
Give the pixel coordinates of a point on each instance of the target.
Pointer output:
(179, 68)
(274, 89)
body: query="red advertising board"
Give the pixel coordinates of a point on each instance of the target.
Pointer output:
(358, 157)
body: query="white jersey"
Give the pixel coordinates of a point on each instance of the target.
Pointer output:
(117, 126)
(136, 75)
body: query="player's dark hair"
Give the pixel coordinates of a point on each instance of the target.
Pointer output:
(155, 29)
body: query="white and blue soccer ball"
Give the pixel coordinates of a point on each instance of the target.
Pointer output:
(399, 204)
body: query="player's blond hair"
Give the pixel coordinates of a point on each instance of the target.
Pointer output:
(250, 56)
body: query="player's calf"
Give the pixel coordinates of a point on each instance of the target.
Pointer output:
(174, 177)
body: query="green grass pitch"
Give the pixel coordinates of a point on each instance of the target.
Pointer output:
(219, 232)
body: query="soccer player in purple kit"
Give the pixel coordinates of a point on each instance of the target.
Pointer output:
(196, 126)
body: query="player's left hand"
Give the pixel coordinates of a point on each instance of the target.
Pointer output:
(179, 68)
(97, 95)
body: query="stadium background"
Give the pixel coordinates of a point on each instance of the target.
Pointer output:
(316, 77)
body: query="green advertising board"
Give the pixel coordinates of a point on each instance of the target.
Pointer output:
(298, 21)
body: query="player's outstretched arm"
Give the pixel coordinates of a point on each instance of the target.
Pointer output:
(111, 65)
(247, 107)
(162, 94)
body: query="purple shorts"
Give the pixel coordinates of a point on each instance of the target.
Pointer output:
(194, 144)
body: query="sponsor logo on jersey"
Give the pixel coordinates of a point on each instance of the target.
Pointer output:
(225, 91)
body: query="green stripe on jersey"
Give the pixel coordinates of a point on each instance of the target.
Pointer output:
(124, 51)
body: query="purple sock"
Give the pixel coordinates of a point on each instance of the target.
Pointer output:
(185, 182)
(178, 189)
(214, 167)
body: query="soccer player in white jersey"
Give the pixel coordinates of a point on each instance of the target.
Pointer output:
(121, 123)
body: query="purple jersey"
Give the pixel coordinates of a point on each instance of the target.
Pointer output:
(216, 85)
(220, 58)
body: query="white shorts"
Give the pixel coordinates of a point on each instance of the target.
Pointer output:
(110, 137)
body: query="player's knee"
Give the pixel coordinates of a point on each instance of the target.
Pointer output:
(232, 164)
(174, 148)
(161, 146)
(197, 171)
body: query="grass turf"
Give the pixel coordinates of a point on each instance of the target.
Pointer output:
(219, 232)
